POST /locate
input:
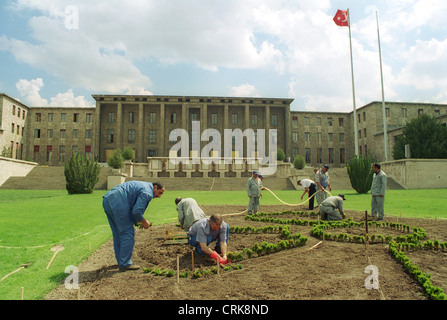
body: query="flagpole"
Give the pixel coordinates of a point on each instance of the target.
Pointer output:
(385, 129)
(356, 142)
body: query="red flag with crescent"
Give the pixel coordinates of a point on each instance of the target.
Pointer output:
(341, 18)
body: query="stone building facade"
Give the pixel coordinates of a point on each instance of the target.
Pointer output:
(13, 128)
(51, 135)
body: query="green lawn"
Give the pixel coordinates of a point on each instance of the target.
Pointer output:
(31, 222)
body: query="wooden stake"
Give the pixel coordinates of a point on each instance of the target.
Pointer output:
(21, 293)
(192, 259)
(366, 222)
(217, 263)
(178, 269)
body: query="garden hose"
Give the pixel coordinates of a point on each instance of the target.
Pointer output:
(294, 205)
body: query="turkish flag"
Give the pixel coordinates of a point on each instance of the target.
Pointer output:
(341, 18)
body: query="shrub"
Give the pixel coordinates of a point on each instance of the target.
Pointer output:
(128, 153)
(81, 174)
(116, 161)
(360, 173)
(280, 155)
(299, 162)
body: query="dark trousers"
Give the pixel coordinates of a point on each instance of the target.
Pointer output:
(312, 191)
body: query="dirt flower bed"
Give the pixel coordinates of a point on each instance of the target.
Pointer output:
(288, 268)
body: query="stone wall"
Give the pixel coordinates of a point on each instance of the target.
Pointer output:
(418, 173)
(14, 168)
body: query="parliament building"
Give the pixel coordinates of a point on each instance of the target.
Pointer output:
(50, 135)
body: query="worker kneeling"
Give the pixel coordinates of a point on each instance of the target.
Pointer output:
(328, 208)
(207, 230)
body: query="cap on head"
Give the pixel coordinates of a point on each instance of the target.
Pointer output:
(326, 166)
(342, 196)
(255, 172)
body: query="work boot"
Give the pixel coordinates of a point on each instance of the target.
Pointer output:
(131, 267)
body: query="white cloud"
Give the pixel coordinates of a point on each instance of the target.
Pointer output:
(244, 90)
(118, 42)
(30, 91)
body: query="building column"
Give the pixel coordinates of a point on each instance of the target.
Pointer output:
(162, 133)
(97, 140)
(119, 125)
(141, 152)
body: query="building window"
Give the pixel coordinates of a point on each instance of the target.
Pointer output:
(75, 134)
(360, 134)
(37, 133)
(23, 115)
(307, 155)
(306, 136)
(295, 121)
(364, 133)
(36, 153)
(342, 155)
(76, 117)
(295, 152)
(61, 153)
(63, 133)
(234, 118)
(152, 117)
(89, 118)
(49, 153)
(306, 121)
(13, 110)
(319, 155)
(329, 122)
(50, 117)
(174, 118)
(12, 127)
(387, 112)
(110, 136)
(342, 137)
(131, 136)
(295, 136)
(111, 118)
(63, 117)
(404, 112)
(88, 151)
(38, 117)
(254, 119)
(331, 155)
(318, 122)
(319, 136)
(131, 117)
(359, 117)
(274, 120)
(214, 118)
(74, 150)
(194, 117)
(340, 122)
(50, 133)
(366, 150)
(364, 115)
(152, 136)
(330, 137)
(88, 134)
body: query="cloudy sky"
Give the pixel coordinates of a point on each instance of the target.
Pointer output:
(60, 52)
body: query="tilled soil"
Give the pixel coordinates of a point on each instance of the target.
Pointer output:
(331, 271)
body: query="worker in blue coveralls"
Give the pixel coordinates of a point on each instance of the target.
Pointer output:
(124, 206)
(207, 230)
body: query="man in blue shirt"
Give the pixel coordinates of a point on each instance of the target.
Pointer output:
(124, 206)
(207, 230)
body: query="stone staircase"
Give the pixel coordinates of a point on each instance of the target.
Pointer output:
(52, 178)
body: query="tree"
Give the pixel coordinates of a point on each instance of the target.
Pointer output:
(426, 136)
(280, 155)
(81, 174)
(116, 161)
(128, 153)
(299, 162)
(360, 173)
